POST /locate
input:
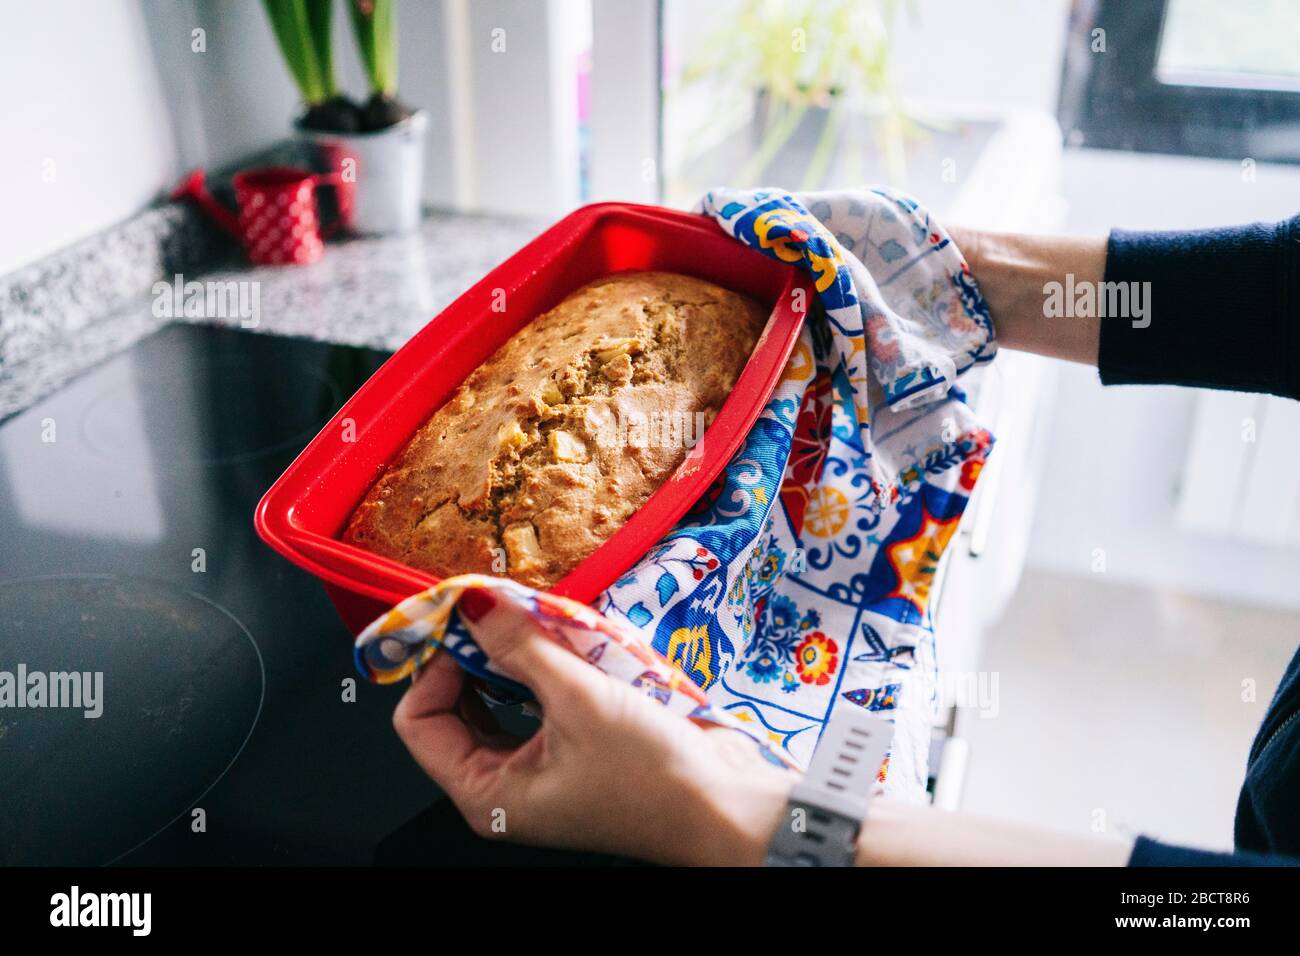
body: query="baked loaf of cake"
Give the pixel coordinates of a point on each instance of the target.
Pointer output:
(564, 432)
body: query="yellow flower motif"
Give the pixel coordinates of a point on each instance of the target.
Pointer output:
(827, 512)
(916, 559)
(816, 658)
(690, 651)
(801, 365)
(781, 245)
(394, 620)
(792, 247)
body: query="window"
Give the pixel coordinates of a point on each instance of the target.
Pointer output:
(1211, 43)
(1196, 77)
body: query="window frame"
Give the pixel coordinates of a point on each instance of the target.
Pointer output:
(1116, 100)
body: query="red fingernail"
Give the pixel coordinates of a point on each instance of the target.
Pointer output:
(475, 603)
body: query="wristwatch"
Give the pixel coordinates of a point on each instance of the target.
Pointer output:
(826, 808)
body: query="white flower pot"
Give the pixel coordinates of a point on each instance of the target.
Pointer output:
(379, 176)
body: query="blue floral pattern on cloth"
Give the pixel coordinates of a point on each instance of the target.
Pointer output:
(800, 583)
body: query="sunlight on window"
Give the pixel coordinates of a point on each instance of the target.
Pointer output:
(800, 91)
(1247, 42)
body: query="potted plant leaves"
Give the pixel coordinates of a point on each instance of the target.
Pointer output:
(816, 72)
(374, 150)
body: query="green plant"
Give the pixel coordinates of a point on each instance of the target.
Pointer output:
(375, 30)
(304, 32)
(800, 55)
(372, 24)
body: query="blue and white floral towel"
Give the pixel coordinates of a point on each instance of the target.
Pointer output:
(800, 583)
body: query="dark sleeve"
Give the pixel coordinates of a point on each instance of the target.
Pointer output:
(1221, 309)
(1150, 853)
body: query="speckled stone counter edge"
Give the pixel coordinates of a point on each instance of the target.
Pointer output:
(77, 307)
(71, 289)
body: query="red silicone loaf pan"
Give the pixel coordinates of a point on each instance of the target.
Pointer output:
(305, 511)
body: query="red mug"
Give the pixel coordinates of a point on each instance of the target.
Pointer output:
(278, 222)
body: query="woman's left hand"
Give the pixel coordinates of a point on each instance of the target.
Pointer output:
(609, 769)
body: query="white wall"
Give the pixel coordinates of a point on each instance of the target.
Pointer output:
(1116, 454)
(973, 60)
(237, 96)
(522, 89)
(233, 96)
(105, 103)
(85, 135)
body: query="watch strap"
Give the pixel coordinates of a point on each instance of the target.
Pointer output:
(827, 806)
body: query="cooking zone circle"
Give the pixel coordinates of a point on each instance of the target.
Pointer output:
(119, 421)
(180, 689)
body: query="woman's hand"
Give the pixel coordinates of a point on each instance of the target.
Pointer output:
(612, 771)
(609, 770)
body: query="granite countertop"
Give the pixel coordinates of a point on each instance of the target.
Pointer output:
(66, 313)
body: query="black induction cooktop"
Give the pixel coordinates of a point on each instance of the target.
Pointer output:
(127, 549)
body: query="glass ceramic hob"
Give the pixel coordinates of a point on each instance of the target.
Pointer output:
(127, 549)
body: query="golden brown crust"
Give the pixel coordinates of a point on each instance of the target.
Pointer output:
(552, 443)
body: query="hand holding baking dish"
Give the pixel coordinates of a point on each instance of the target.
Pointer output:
(798, 581)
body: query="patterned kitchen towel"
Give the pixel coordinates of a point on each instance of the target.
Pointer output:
(407, 637)
(800, 582)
